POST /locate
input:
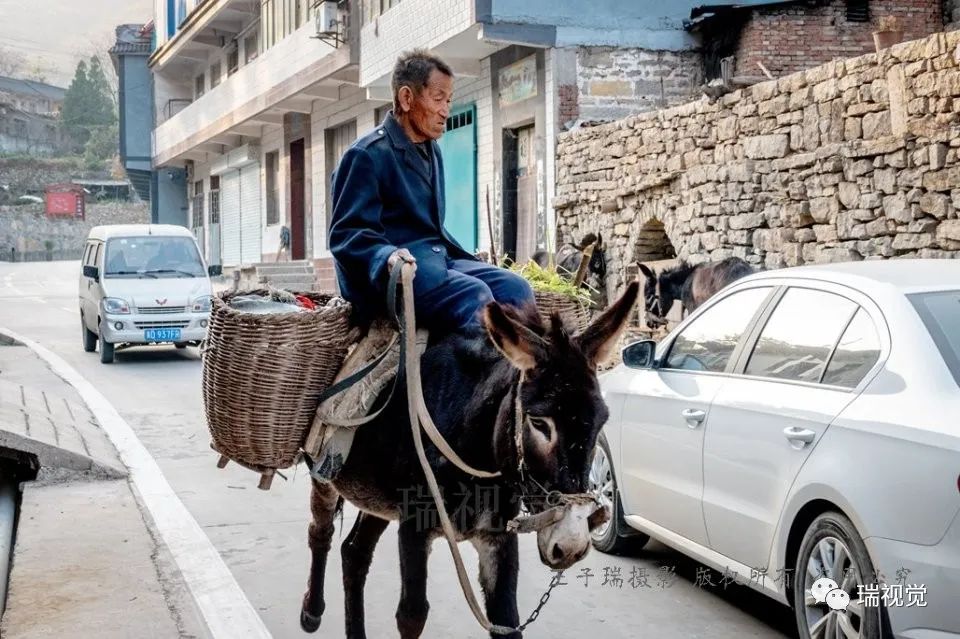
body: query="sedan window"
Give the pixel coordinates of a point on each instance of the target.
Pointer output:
(800, 335)
(857, 352)
(709, 341)
(940, 313)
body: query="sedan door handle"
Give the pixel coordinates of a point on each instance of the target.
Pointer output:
(799, 437)
(694, 417)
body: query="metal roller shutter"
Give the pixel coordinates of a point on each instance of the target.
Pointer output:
(230, 218)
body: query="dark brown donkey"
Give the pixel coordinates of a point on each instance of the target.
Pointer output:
(518, 391)
(692, 285)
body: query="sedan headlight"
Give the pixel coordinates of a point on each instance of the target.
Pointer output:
(115, 306)
(202, 304)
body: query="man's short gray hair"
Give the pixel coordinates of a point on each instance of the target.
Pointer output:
(413, 70)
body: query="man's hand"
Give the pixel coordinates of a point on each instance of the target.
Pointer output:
(401, 254)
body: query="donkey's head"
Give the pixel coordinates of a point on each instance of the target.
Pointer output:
(598, 261)
(557, 413)
(651, 297)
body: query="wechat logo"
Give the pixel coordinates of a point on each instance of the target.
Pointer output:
(827, 591)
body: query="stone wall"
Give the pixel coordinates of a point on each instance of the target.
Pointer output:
(617, 82)
(35, 237)
(856, 159)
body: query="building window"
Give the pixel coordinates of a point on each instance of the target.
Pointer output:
(858, 11)
(272, 186)
(233, 60)
(199, 85)
(51, 133)
(215, 71)
(251, 46)
(198, 204)
(214, 199)
(337, 141)
(20, 128)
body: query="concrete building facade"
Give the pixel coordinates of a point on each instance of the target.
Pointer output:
(261, 98)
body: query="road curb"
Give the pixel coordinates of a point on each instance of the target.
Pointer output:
(222, 603)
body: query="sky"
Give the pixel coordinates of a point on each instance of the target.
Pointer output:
(61, 32)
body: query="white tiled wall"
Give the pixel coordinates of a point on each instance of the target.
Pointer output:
(353, 105)
(282, 61)
(272, 140)
(421, 23)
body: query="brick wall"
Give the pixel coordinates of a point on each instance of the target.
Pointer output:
(856, 159)
(801, 36)
(616, 82)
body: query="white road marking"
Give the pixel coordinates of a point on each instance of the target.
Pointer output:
(70, 310)
(224, 606)
(38, 300)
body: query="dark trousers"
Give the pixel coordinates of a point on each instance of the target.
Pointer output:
(470, 286)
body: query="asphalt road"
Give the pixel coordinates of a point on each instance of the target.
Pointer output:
(262, 535)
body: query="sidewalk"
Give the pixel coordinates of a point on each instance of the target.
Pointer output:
(86, 562)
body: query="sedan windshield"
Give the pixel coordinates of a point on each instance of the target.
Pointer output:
(152, 257)
(940, 312)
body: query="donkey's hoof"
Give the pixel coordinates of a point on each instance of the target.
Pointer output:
(308, 622)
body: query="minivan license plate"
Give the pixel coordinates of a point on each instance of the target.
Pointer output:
(162, 334)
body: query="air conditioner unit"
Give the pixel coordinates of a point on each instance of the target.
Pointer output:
(328, 18)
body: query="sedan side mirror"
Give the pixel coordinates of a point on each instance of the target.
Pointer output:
(214, 270)
(92, 271)
(641, 355)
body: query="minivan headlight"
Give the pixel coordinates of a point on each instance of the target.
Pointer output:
(202, 304)
(115, 306)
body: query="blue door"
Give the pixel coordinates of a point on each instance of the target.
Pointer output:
(459, 148)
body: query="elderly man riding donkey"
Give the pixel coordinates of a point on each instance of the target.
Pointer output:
(512, 405)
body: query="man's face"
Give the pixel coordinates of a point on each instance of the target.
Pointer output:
(429, 111)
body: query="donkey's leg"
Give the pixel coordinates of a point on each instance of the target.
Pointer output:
(357, 553)
(414, 552)
(323, 505)
(499, 566)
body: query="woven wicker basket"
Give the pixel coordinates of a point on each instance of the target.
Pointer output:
(263, 375)
(575, 314)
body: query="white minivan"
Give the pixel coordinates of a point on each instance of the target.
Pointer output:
(142, 284)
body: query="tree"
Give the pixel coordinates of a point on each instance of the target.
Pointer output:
(101, 105)
(101, 146)
(75, 106)
(87, 104)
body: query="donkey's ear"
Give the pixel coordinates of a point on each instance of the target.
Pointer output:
(599, 340)
(519, 344)
(599, 240)
(647, 271)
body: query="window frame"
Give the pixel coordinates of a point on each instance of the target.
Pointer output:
(663, 357)
(755, 338)
(860, 301)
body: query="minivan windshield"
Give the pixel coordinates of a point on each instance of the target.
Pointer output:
(940, 313)
(152, 256)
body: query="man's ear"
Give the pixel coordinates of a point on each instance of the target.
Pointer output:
(519, 344)
(405, 96)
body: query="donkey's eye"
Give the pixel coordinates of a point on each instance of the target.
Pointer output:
(542, 424)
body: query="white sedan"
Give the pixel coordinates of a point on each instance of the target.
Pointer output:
(800, 432)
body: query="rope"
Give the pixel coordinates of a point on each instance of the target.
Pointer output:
(419, 417)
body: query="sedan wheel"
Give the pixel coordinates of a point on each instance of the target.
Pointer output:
(601, 483)
(832, 549)
(615, 536)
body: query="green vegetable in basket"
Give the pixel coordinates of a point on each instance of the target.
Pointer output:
(549, 280)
